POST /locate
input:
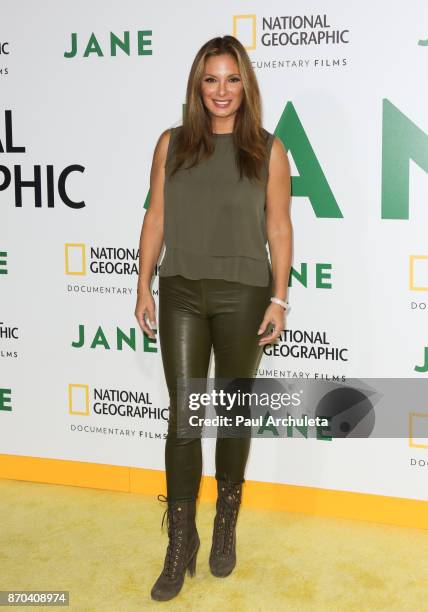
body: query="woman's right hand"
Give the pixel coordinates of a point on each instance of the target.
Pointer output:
(145, 310)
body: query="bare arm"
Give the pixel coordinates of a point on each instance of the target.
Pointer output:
(278, 222)
(152, 236)
(280, 234)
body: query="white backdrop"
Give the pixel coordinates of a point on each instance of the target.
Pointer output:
(104, 114)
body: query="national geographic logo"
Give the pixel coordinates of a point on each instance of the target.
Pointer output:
(303, 344)
(111, 45)
(100, 260)
(418, 430)
(418, 281)
(113, 402)
(287, 31)
(87, 262)
(418, 272)
(418, 435)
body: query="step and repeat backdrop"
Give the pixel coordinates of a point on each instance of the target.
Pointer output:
(86, 89)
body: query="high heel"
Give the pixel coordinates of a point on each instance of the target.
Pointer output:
(182, 548)
(191, 568)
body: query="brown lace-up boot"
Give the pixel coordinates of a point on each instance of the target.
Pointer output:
(182, 548)
(223, 549)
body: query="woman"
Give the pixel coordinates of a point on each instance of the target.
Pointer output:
(220, 189)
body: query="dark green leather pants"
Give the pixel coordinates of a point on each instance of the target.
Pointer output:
(194, 317)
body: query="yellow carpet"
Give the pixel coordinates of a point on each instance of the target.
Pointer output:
(106, 548)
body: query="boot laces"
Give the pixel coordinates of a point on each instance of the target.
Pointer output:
(229, 502)
(173, 513)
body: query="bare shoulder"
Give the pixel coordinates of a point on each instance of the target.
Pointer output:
(279, 165)
(278, 147)
(163, 140)
(161, 148)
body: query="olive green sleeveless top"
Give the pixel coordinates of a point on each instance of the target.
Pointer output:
(214, 224)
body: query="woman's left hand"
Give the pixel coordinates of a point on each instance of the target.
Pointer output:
(274, 314)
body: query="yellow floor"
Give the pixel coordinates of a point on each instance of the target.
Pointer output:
(106, 548)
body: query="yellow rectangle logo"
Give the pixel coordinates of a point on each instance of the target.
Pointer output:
(78, 399)
(244, 29)
(418, 273)
(418, 429)
(75, 259)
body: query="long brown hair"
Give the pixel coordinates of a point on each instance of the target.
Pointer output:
(195, 141)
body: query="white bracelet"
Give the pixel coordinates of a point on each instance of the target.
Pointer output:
(280, 302)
